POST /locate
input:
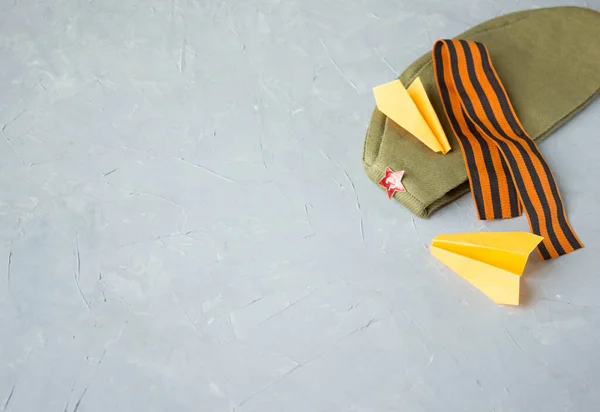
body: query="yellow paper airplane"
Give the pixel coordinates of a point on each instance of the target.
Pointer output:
(412, 110)
(492, 261)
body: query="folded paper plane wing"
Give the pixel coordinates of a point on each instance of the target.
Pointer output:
(417, 93)
(412, 110)
(492, 261)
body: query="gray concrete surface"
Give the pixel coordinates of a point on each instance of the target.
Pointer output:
(185, 224)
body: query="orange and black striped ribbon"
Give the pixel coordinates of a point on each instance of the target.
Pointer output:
(505, 167)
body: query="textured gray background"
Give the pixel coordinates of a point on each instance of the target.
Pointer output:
(185, 224)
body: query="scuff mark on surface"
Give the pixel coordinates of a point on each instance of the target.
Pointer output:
(8, 266)
(265, 388)
(143, 193)
(99, 83)
(77, 271)
(274, 382)
(76, 408)
(187, 316)
(66, 409)
(279, 312)
(232, 325)
(182, 55)
(252, 302)
(78, 257)
(9, 398)
(94, 105)
(414, 322)
(350, 82)
(238, 37)
(336, 181)
(471, 209)
(313, 359)
(215, 390)
(12, 147)
(569, 303)
(513, 340)
(261, 136)
(360, 215)
(460, 325)
(99, 360)
(109, 172)
(414, 225)
(207, 170)
(437, 267)
(281, 192)
(102, 285)
(366, 326)
(14, 119)
(193, 325)
(176, 249)
(386, 62)
(306, 206)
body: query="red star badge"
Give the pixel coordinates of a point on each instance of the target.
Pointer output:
(393, 182)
